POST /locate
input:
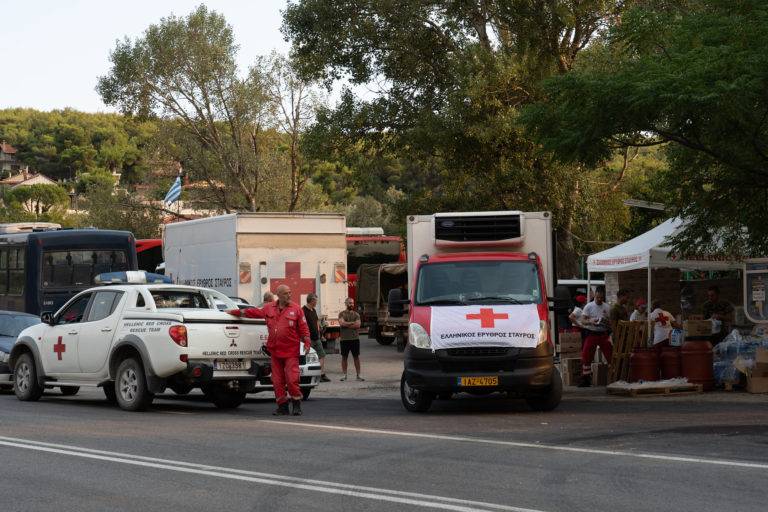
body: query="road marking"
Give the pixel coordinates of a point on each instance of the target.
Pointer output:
(373, 493)
(538, 446)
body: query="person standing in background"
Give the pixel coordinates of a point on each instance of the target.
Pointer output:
(640, 314)
(349, 320)
(618, 310)
(720, 310)
(596, 321)
(313, 322)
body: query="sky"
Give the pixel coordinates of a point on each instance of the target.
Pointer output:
(54, 51)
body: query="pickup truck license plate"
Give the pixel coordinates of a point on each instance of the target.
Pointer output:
(228, 364)
(478, 381)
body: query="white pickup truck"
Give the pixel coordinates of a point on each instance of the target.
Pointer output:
(136, 340)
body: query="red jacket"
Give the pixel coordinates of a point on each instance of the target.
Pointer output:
(286, 328)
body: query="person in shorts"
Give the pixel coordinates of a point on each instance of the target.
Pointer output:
(313, 322)
(349, 338)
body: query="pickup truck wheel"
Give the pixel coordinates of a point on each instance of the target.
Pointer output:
(25, 380)
(131, 389)
(550, 399)
(69, 390)
(305, 393)
(414, 400)
(226, 399)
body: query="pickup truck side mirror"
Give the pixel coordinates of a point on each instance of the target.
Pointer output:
(47, 317)
(396, 303)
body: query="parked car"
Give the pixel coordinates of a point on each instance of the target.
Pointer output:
(11, 324)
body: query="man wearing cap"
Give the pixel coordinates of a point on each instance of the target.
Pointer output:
(576, 314)
(640, 314)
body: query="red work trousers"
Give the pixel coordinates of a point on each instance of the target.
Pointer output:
(285, 373)
(592, 341)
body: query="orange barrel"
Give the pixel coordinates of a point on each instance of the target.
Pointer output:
(643, 365)
(696, 362)
(670, 363)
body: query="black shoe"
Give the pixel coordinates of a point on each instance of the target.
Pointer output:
(296, 408)
(323, 378)
(282, 410)
(586, 381)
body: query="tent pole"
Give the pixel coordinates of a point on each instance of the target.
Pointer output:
(648, 309)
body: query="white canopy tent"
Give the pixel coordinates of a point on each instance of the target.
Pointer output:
(648, 251)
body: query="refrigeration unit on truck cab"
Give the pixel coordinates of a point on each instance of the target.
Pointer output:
(479, 318)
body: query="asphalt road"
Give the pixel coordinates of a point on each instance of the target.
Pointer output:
(356, 448)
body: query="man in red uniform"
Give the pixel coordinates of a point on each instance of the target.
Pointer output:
(287, 329)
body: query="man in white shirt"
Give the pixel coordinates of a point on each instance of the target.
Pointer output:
(596, 320)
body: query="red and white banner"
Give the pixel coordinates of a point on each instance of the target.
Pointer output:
(487, 326)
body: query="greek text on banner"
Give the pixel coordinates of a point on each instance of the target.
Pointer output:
(486, 326)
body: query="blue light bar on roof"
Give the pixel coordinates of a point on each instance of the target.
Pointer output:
(131, 277)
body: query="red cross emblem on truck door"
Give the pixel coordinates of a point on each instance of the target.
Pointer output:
(59, 348)
(294, 280)
(487, 317)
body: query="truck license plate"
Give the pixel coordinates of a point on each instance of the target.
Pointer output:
(228, 364)
(478, 381)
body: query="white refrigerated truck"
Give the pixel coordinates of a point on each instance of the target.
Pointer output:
(245, 254)
(479, 319)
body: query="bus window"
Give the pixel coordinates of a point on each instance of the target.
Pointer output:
(16, 271)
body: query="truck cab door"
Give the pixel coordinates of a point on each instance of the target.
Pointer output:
(59, 346)
(98, 330)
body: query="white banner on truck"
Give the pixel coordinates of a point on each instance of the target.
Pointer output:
(486, 325)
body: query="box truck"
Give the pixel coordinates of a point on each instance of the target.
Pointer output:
(245, 254)
(479, 318)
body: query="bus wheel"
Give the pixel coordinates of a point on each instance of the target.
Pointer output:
(25, 379)
(414, 400)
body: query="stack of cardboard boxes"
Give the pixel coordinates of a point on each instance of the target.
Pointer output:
(570, 358)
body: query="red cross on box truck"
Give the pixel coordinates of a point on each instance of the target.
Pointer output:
(245, 254)
(479, 318)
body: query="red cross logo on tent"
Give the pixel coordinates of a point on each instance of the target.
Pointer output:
(59, 348)
(487, 317)
(294, 280)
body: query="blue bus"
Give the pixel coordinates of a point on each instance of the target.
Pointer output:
(42, 268)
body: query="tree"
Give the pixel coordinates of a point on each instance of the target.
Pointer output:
(38, 199)
(692, 79)
(453, 75)
(184, 68)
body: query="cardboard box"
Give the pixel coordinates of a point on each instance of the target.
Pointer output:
(693, 328)
(570, 342)
(599, 374)
(757, 382)
(570, 371)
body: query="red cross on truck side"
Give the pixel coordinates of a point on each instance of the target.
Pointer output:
(59, 348)
(487, 317)
(299, 286)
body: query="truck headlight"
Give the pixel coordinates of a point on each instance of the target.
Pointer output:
(418, 336)
(312, 357)
(543, 332)
(3, 357)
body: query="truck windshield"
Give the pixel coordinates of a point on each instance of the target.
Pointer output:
(468, 282)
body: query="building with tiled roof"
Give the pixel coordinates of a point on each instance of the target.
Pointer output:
(8, 162)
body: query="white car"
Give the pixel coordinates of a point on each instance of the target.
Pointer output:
(136, 340)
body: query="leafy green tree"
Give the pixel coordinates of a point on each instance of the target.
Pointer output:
(106, 209)
(38, 199)
(453, 77)
(691, 79)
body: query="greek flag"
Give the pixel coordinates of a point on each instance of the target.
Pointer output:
(174, 193)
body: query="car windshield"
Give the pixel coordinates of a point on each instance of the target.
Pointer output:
(472, 282)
